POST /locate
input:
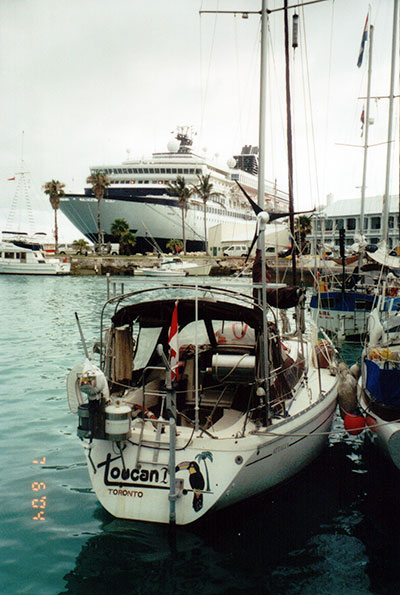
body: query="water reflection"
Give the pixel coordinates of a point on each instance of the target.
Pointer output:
(299, 535)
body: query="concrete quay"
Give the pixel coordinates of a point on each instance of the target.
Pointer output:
(126, 265)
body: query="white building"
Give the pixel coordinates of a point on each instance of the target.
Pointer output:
(236, 238)
(345, 214)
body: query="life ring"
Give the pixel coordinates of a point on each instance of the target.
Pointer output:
(147, 413)
(244, 330)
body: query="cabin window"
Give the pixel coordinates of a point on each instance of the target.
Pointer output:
(328, 225)
(327, 303)
(375, 222)
(156, 170)
(351, 224)
(9, 254)
(364, 305)
(339, 224)
(366, 223)
(391, 222)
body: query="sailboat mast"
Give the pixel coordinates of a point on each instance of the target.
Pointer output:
(261, 189)
(289, 140)
(366, 131)
(386, 196)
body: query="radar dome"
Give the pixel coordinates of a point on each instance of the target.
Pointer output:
(173, 145)
(231, 162)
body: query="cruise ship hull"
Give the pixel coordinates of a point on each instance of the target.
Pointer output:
(150, 218)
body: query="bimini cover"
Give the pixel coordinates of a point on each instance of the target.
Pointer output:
(383, 384)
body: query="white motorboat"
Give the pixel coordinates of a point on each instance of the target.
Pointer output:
(174, 266)
(18, 258)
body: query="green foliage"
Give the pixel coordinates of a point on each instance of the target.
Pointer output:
(127, 242)
(118, 227)
(183, 193)
(54, 190)
(81, 246)
(174, 245)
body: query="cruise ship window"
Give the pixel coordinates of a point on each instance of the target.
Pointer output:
(191, 171)
(156, 170)
(180, 170)
(366, 223)
(391, 222)
(140, 171)
(151, 170)
(168, 171)
(125, 171)
(339, 223)
(328, 225)
(351, 223)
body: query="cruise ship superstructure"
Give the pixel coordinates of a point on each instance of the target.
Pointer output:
(138, 193)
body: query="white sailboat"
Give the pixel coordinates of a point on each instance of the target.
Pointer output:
(199, 400)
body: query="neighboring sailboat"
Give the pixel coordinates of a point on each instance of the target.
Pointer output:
(341, 307)
(380, 365)
(199, 401)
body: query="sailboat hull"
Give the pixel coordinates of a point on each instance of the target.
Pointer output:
(134, 484)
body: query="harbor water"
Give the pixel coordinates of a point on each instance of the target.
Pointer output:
(334, 529)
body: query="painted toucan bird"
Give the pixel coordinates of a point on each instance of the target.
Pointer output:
(196, 481)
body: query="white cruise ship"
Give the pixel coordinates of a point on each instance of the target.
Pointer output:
(138, 194)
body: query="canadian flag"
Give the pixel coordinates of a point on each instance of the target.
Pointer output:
(173, 344)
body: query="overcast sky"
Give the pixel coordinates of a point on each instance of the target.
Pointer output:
(85, 81)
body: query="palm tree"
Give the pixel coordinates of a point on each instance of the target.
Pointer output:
(81, 246)
(55, 190)
(205, 190)
(118, 227)
(174, 245)
(303, 227)
(99, 181)
(183, 192)
(127, 241)
(202, 457)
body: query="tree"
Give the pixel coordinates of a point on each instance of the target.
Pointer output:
(203, 456)
(204, 189)
(183, 193)
(303, 227)
(118, 227)
(54, 190)
(99, 181)
(127, 241)
(81, 246)
(174, 245)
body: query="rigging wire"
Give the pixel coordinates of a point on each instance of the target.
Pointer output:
(205, 85)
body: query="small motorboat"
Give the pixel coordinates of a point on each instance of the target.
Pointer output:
(173, 266)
